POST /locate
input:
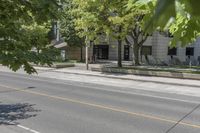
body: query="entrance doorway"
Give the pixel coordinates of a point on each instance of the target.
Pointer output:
(101, 51)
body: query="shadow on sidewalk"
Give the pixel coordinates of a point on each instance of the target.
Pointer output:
(10, 113)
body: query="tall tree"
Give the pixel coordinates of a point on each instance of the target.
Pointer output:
(16, 36)
(68, 30)
(136, 38)
(137, 35)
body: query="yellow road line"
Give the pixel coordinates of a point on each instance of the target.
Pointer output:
(104, 107)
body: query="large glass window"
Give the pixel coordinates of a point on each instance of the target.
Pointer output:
(146, 50)
(189, 51)
(172, 51)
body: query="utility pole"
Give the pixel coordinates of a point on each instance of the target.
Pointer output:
(58, 25)
(57, 31)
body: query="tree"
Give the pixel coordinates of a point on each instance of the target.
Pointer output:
(68, 30)
(109, 17)
(182, 17)
(16, 35)
(38, 37)
(137, 35)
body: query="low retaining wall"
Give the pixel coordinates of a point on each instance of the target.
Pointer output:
(63, 65)
(58, 65)
(149, 73)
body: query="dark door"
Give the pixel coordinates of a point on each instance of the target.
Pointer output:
(126, 52)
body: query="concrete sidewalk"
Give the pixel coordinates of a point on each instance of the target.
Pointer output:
(79, 70)
(119, 82)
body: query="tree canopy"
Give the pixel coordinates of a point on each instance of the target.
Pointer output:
(67, 24)
(102, 17)
(182, 17)
(21, 23)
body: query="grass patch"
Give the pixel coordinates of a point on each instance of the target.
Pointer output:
(188, 67)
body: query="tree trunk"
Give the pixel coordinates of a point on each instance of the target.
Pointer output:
(119, 53)
(86, 57)
(120, 48)
(38, 51)
(81, 53)
(136, 51)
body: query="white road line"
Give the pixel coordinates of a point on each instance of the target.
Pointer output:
(28, 129)
(23, 127)
(121, 91)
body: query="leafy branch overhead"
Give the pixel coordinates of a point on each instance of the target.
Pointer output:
(67, 24)
(182, 17)
(24, 25)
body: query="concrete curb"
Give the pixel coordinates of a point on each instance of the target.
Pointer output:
(150, 73)
(122, 78)
(57, 66)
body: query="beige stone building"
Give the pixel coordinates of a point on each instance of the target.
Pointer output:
(155, 50)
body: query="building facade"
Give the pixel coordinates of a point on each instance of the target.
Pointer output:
(155, 50)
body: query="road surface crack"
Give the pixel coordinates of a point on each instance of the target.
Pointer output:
(185, 116)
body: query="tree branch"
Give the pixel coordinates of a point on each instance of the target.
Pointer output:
(144, 38)
(127, 41)
(134, 33)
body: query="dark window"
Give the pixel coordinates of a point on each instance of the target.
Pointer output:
(146, 50)
(101, 51)
(126, 52)
(189, 51)
(172, 51)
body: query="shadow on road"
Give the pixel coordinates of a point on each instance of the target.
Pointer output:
(10, 113)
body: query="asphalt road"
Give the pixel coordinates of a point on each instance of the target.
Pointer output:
(31, 104)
